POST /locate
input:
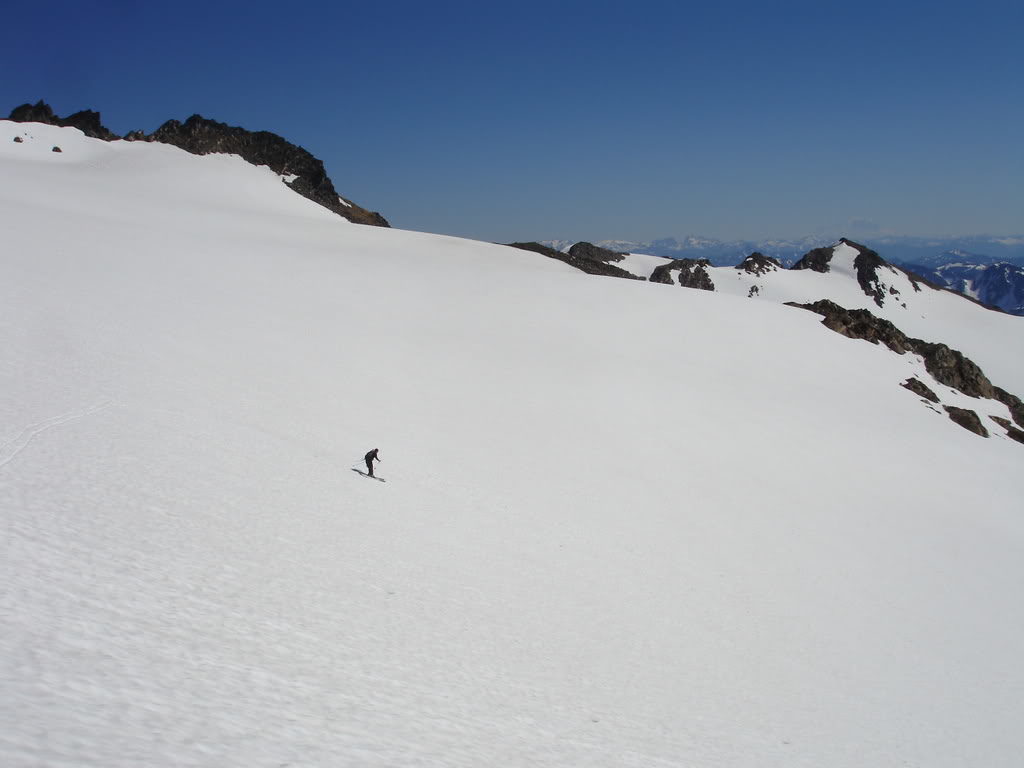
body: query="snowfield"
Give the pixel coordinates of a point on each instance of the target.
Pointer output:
(623, 524)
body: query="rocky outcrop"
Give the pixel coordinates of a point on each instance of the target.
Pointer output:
(858, 324)
(693, 273)
(590, 266)
(815, 260)
(967, 419)
(921, 389)
(946, 365)
(952, 368)
(1012, 402)
(303, 172)
(87, 121)
(758, 264)
(1011, 431)
(867, 263)
(591, 252)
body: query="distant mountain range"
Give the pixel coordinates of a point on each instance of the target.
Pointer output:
(987, 268)
(929, 252)
(1000, 284)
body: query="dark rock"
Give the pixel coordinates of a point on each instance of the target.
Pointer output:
(858, 324)
(918, 387)
(693, 273)
(867, 263)
(56, 149)
(1013, 403)
(759, 264)
(590, 266)
(946, 365)
(87, 121)
(967, 419)
(1011, 431)
(952, 368)
(201, 136)
(593, 252)
(18, 140)
(40, 112)
(815, 260)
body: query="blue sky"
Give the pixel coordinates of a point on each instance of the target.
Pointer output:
(520, 121)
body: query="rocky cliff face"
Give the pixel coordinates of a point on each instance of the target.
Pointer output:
(304, 173)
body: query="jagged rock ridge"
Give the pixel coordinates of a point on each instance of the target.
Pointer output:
(87, 121)
(947, 366)
(304, 173)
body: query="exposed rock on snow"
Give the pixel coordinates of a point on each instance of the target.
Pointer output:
(201, 136)
(1014, 403)
(591, 266)
(918, 387)
(758, 264)
(815, 260)
(947, 366)
(1011, 431)
(967, 419)
(858, 324)
(692, 273)
(591, 252)
(87, 121)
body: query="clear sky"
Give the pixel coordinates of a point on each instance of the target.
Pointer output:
(580, 120)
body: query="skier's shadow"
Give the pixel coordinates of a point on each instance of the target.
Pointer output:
(364, 474)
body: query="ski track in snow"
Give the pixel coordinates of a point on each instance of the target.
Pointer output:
(10, 450)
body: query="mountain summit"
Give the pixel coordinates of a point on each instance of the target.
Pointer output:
(299, 169)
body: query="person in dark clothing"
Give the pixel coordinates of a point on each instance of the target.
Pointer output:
(369, 460)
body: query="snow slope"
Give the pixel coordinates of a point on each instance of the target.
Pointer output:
(993, 340)
(566, 565)
(640, 264)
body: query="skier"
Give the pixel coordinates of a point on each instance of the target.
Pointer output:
(369, 460)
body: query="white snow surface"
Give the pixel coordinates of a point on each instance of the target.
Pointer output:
(622, 524)
(641, 264)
